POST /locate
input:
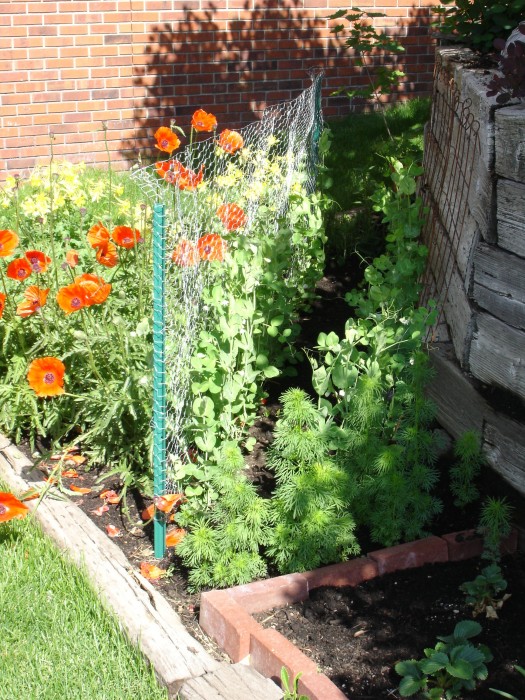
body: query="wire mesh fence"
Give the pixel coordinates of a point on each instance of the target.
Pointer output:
(230, 182)
(452, 150)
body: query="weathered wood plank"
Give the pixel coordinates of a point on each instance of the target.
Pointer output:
(499, 284)
(504, 445)
(497, 354)
(459, 315)
(510, 142)
(236, 682)
(510, 213)
(460, 407)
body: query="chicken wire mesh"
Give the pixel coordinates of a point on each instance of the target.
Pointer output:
(254, 169)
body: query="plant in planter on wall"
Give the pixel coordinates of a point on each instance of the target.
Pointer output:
(477, 23)
(509, 82)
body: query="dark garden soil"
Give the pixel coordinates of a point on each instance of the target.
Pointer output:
(355, 635)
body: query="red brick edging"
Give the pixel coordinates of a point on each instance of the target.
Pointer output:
(226, 615)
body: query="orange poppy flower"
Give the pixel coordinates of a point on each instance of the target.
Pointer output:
(148, 513)
(110, 496)
(107, 254)
(167, 502)
(35, 298)
(203, 121)
(72, 258)
(162, 167)
(70, 474)
(72, 298)
(185, 254)
(8, 242)
(177, 174)
(46, 376)
(2, 304)
(19, 269)
(11, 507)
(95, 288)
(98, 235)
(167, 141)
(79, 489)
(39, 261)
(125, 236)
(211, 247)
(175, 536)
(230, 141)
(100, 511)
(151, 571)
(113, 531)
(232, 216)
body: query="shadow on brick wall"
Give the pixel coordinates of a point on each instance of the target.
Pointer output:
(236, 67)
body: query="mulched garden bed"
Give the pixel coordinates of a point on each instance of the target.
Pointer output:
(356, 635)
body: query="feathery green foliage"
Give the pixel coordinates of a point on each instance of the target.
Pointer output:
(310, 521)
(469, 460)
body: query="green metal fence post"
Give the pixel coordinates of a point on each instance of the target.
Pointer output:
(159, 376)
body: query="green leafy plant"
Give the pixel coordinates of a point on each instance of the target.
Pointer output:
(503, 694)
(482, 592)
(452, 666)
(290, 687)
(478, 23)
(469, 460)
(371, 381)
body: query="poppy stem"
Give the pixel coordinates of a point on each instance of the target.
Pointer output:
(110, 172)
(51, 209)
(89, 348)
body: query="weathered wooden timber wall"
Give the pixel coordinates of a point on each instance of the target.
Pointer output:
(475, 189)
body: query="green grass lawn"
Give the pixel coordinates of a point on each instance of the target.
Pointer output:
(56, 638)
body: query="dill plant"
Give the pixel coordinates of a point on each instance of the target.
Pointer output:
(311, 524)
(222, 546)
(469, 460)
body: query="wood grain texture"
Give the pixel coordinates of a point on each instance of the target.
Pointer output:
(497, 354)
(236, 682)
(510, 142)
(499, 284)
(510, 213)
(460, 407)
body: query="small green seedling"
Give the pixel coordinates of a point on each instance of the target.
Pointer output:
(482, 592)
(290, 687)
(452, 666)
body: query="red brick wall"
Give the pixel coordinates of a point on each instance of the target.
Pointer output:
(69, 66)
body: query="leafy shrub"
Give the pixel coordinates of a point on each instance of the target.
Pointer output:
(511, 83)
(478, 23)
